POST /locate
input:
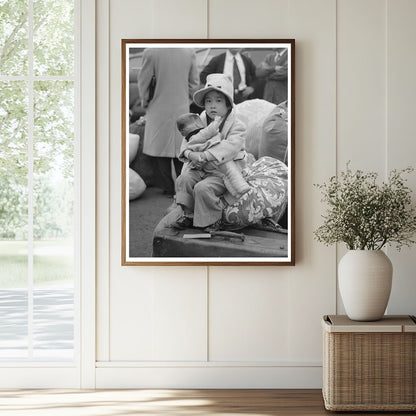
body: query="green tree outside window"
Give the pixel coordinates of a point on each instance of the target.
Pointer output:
(45, 71)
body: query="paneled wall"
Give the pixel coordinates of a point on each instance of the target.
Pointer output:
(254, 326)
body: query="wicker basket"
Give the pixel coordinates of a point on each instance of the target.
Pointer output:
(369, 366)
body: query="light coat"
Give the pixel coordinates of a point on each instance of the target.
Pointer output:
(200, 191)
(231, 147)
(176, 80)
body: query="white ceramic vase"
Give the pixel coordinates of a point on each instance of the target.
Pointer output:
(364, 278)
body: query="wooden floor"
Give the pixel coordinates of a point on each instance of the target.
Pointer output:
(165, 402)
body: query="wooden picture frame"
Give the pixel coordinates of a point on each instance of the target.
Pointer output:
(154, 78)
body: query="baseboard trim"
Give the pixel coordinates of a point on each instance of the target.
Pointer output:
(210, 377)
(204, 364)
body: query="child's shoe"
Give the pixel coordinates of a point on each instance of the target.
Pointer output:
(214, 227)
(183, 222)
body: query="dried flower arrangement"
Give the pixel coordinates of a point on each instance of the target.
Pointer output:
(366, 215)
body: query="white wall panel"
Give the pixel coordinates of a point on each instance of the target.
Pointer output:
(401, 130)
(180, 316)
(150, 19)
(160, 317)
(361, 84)
(131, 316)
(248, 310)
(354, 101)
(259, 19)
(131, 18)
(179, 19)
(311, 282)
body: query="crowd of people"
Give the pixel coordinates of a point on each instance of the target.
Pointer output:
(192, 133)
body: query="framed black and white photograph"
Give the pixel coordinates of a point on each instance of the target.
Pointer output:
(208, 134)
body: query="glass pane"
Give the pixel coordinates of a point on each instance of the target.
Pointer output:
(13, 160)
(53, 197)
(13, 220)
(53, 178)
(53, 319)
(14, 318)
(13, 37)
(53, 37)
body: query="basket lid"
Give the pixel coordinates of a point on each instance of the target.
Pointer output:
(389, 323)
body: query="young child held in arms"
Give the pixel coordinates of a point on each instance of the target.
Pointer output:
(199, 139)
(203, 180)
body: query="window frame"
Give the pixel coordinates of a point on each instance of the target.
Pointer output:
(81, 371)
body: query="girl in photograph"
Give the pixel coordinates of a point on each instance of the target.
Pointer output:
(199, 191)
(200, 138)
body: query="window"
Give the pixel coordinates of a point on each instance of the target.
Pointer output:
(38, 184)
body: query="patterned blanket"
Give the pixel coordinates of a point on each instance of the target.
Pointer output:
(267, 198)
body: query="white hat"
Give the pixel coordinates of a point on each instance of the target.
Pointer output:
(215, 82)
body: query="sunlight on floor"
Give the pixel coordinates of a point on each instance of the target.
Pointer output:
(114, 403)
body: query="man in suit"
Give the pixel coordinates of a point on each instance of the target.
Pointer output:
(239, 67)
(274, 71)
